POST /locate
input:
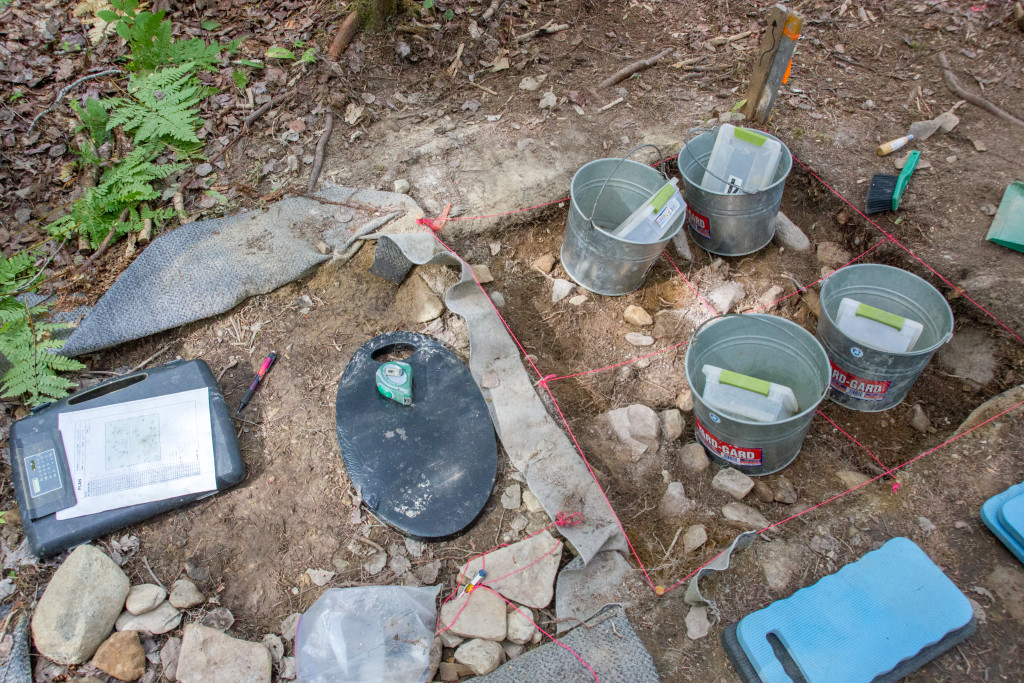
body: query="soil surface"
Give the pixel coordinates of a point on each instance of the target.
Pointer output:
(864, 71)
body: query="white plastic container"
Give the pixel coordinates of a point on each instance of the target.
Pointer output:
(747, 398)
(876, 328)
(741, 158)
(650, 222)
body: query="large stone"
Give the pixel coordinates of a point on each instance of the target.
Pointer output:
(634, 315)
(512, 498)
(531, 502)
(733, 482)
(724, 297)
(209, 656)
(480, 614)
(694, 537)
(482, 656)
(674, 504)
(852, 479)
(637, 339)
(636, 426)
(544, 263)
(789, 235)
(684, 401)
(160, 620)
(697, 624)
(121, 655)
(672, 424)
(520, 628)
(290, 625)
(169, 658)
(831, 254)
(744, 517)
(416, 302)
(786, 492)
(144, 598)
(694, 458)
(482, 273)
(919, 419)
(184, 594)
(560, 289)
(971, 355)
(79, 607)
(537, 558)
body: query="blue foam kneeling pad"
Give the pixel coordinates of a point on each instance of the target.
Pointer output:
(875, 620)
(1003, 514)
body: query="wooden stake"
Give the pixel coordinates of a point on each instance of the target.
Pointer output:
(772, 64)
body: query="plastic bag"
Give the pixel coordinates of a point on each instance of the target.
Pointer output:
(367, 634)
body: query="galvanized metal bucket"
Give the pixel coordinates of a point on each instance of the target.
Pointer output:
(770, 348)
(603, 194)
(729, 224)
(866, 379)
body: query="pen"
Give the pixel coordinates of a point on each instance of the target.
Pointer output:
(256, 382)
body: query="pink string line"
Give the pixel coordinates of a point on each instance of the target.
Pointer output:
(553, 378)
(898, 467)
(555, 640)
(907, 249)
(866, 449)
(509, 213)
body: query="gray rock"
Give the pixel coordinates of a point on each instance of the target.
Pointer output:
(637, 339)
(512, 650)
(922, 130)
(185, 595)
(724, 297)
(320, 577)
(480, 614)
(674, 504)
(531, 84)
(23, 215)
(636, 426)
(852, 479)
(634, 315)
(203, 170)
(561, 289)
(400, 564)
(274, 645)
(733, 482)
(919, 420)
(160, 620)
(287, 672)
(578, 300)
(697, 624)
(219, 618)
(901, 161)
(449, 639)
(512, 498)
(684, 401)
(694, 458)
(548, 101)
(402, 186)
(533, 587)
(289, 626)
(682, 245)
(79, 607)
(786, 492)
(672, 424)
(209, 656)
(694, 537)
(789, 235)
(779, 561)
(482, 656)
(744, 516)
(971, 355)
(375, 563)
(427, 573)
(169, 658)
(926, 524)
(416, 302)
(520, 628)
(769, 300)
(764, 492)
(532, 502)
(414, 547)
(482, 273)
(544, 263)
(144, 598)
(498, 298)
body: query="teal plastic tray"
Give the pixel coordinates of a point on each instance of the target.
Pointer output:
(1007, 228)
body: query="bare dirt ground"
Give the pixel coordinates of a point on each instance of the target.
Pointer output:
(487, 147)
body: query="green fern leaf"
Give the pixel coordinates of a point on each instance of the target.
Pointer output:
(164, 107)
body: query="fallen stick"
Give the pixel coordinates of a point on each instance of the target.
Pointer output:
(494, 7)
(66, 90)
(318, 162)
(150, 359)
(976, 100)
(636, 67)
(724, 40)
(611, 104)
(546, 29)
(344, 36)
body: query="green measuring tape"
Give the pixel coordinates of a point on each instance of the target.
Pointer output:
(394, 380)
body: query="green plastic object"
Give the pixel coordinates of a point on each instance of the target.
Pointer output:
(880, 316)
(750, 136)
(904, 178)
(394, 380)
(1008, 226)
(758, 386)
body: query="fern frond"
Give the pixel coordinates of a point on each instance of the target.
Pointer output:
(164, 106)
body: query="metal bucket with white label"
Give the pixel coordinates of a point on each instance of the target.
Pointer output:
(769, 348)
(866, 379)
(736, 223)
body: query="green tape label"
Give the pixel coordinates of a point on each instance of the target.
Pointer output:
(750, 136)
(880, 316)
(735, 379)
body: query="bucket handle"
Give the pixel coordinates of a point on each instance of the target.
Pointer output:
(661, 170)
(686, 146)
(721, 316)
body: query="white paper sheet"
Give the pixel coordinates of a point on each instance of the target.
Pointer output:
(139, 451)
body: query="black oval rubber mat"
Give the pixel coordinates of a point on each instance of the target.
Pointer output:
(427, 468)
